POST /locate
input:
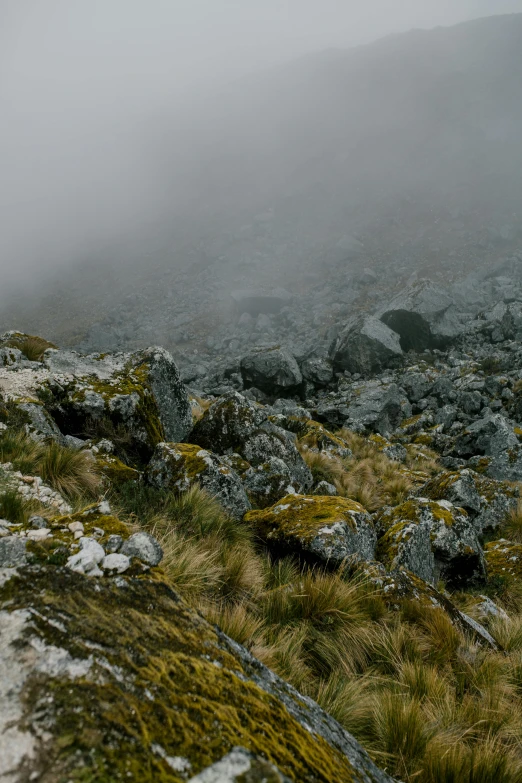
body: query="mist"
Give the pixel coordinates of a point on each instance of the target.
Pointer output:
(133, 131)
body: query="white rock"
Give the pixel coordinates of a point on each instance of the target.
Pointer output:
(115, 562)
(91, 546)
(84, 563)
(75, 527)
(39, 535)
(104, 507)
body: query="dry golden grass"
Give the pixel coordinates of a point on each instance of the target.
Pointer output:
(71, 472)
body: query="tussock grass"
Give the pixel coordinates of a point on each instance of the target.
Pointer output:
(72, 473)
(14, 508)
(21, 450)
(33, 348)
(512, 529)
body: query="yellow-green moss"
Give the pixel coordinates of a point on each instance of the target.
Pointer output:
(301, 517)
(115, 470)
(166, 679)
(503, 559)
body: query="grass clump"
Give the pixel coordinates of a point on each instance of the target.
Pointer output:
(32, 347)
(14, 508)
(71, 472)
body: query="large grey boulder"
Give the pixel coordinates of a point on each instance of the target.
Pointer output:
(488, 502)
(377, 407)
(433, 539)
(273, 370)
(366, 347)
(493, 445)
(424, 316)
(182, 692)
(328, 528)
(234, 424)
(317, 371)
(178, 466)
(140, 394)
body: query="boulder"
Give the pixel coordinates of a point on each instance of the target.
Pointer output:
(423, 316)
(268, 482)
(377, 407)
(400, 587)
(178, 466)
(326, 528)
(273, 370)
(493, 445)
(319, 372)
(144, 689)
(366, 347)
(234, 424)
(433, 539)
(487, 502)
(503, 560)
(140, 394)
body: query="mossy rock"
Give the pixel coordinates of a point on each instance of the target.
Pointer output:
(135, 400)
(433, 539)
(330, 529)
(115, 680)
(503, 560)
(315, 435)
(115, 471)
(405, 591)
(178, 466)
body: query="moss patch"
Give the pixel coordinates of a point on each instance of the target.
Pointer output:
(159, 676)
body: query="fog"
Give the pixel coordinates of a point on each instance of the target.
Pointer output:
(129, 126)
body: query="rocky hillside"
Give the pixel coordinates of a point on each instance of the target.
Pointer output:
(305, 567)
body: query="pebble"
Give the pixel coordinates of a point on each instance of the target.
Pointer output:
(144, 547)
(75, 527)
(39, 535)
(114, 543)
(115, 562)
(37, 522)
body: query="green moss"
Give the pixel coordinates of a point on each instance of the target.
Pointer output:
(389, 544)
(161, 677)
(301, 517)
(115, 470)
(503, 559)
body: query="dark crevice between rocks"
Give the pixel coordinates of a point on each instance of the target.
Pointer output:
(413, 330)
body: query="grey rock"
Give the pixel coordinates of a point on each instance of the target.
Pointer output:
(143, 546)
(240, 765)
(271, 370)
(116, 563)
(424, 316)
(487, 608)
(447, 415)
(377, 407)
(366, 346)
(416, 385)
(268, 482)
(317, 371)
(38, 522)
(234, 424)
(10, 357)
(325, 488)
(12, 552)
(413, 530)
(178, 466)
(113, 544)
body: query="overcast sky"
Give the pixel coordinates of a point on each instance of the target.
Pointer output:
(80, 78)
